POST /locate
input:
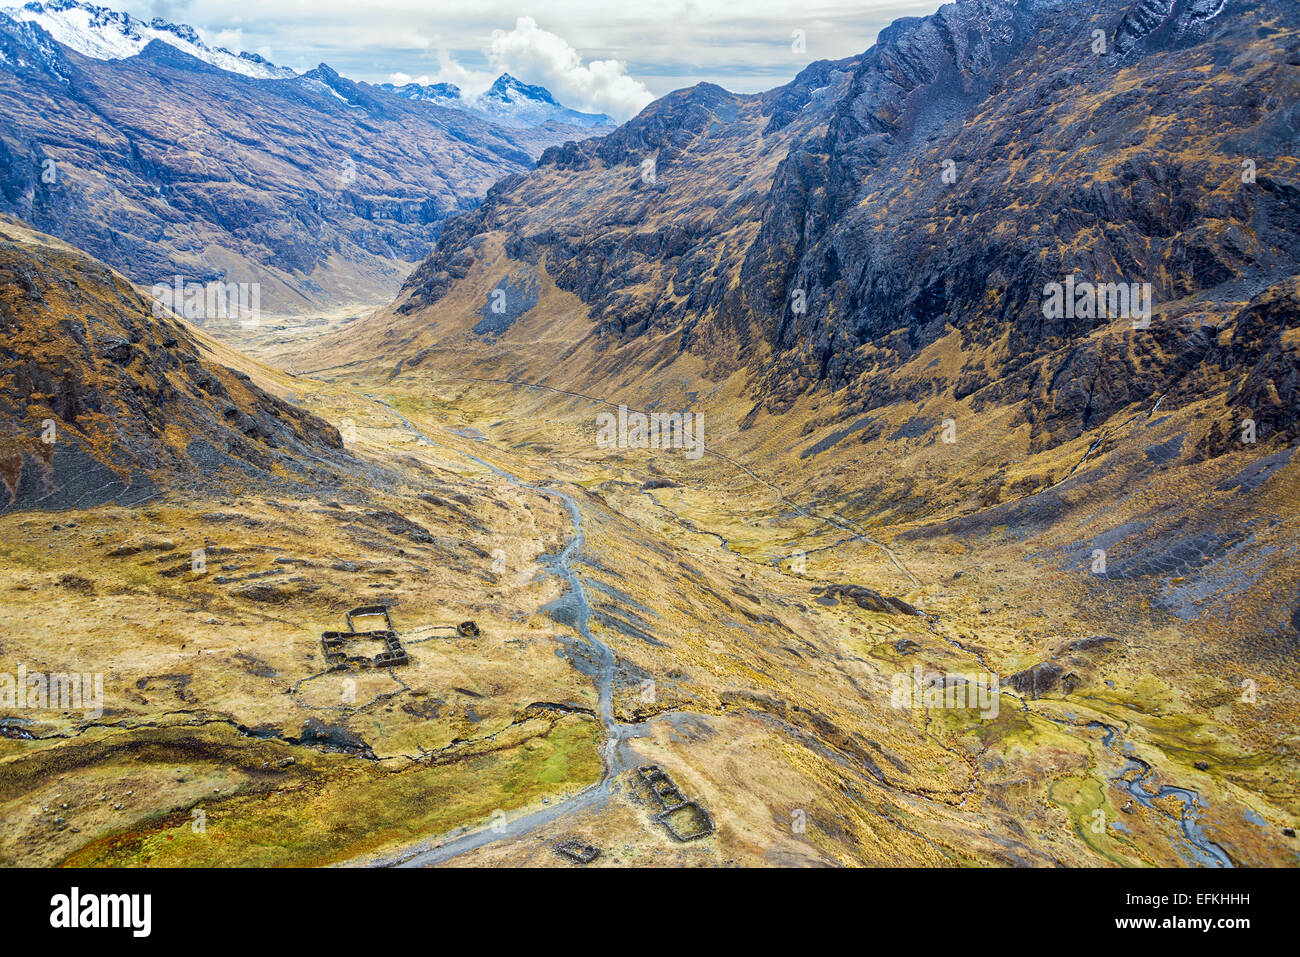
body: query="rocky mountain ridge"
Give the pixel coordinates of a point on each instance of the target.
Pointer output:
(322, 190)
(108, 399)
(822, 235)
(105, 34)
(508, 101)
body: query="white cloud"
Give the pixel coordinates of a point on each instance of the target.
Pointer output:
(664, 44)
(229, 39)
(539, 56)
(471, 82)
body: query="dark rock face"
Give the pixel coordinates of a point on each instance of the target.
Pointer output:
(1037, 680)
(869, 599)
(71, 478)
(645, 253)
(1152, 23)
(1264, 369)
(895, 255)
(939, 184)
(332, 737)
(161, 165)
(401, 525)
(106, 402)
(511, 298)
(1092, 642)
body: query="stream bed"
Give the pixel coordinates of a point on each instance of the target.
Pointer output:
(573, 610)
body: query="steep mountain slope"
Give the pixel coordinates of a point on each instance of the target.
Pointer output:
(182, 537)
(1066, 163)
(322, 190)
(105, 401)
(1054, 150)
(646, 223)
(914, 479)
(851, 277)
(105, 34)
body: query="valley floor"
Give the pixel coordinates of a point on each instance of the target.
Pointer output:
(633, 609)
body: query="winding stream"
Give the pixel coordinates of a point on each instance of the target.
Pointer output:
(1204, 851)
(572, 608)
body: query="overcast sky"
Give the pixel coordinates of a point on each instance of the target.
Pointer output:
(610, 56)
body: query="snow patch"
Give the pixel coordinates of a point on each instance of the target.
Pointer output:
(508, 102)
(104, 34)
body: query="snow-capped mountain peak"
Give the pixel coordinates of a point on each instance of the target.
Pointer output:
(105, 34)
(508, 89)
(444, 94)
(513, 102)
(507, 102)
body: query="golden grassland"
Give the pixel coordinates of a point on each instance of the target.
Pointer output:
(771, 707)
(730, 550)
(325, 814)
(793, 696)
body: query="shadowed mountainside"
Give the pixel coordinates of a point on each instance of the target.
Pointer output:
(814, 225)
(104, 401)
(323, 190)
(837, 271)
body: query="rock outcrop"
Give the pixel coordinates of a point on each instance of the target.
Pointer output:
(104, 401)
